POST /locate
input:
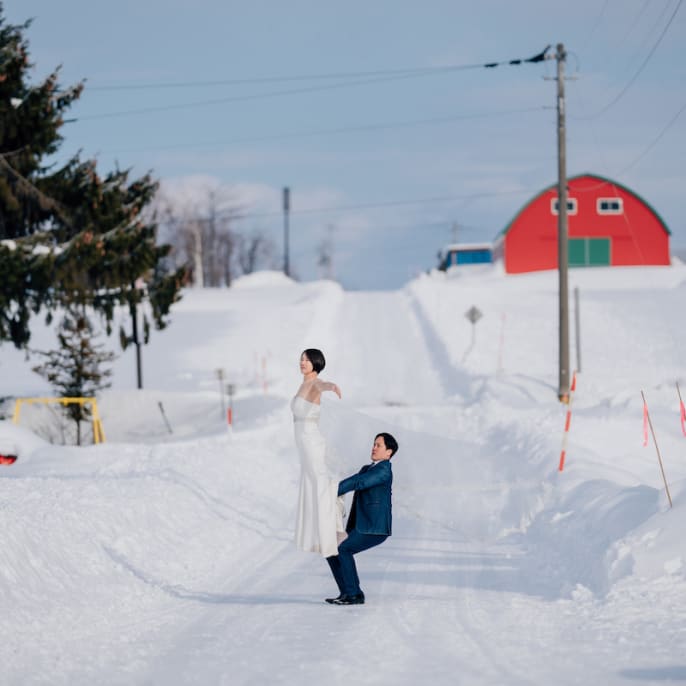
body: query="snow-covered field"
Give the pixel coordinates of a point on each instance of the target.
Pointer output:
(167, 558)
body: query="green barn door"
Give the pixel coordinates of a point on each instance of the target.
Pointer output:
(598, 252)
(589, 252)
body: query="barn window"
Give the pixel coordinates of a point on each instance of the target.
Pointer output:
(572, 206)
(610, 205)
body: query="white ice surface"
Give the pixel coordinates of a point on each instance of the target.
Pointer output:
(167, 558)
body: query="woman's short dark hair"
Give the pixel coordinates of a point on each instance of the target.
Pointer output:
(316, 357)
(390, 442)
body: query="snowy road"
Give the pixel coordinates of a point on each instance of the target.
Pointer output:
(169, 560)
(438, 611)
(378, 351)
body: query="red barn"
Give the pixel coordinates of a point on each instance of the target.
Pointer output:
(608, 225)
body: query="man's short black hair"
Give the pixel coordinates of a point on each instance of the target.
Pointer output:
(389, 442)
(316, 357)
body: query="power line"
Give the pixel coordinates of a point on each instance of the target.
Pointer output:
(650, 146)
(413, 71)
(408, 71)
(639, 70)
(589, 35)
(633, 25)
(371, 206)
(394, 76)
(342, 130)
(243, 98)
(445, 224)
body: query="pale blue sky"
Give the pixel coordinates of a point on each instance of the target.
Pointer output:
(390, 165)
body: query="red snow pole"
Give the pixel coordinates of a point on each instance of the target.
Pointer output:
(230, 388)
(646, 414)
(568, 421)
(682, 411)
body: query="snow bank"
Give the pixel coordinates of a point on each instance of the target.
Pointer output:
(135, 561)
(262, 279)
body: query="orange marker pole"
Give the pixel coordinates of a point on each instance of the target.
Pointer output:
(568, 421)
(230, 388)
(682, 411)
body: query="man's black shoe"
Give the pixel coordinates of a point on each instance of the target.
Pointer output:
(334, 601)
(349, 600)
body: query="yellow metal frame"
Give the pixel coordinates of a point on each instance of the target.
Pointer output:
(98, 433)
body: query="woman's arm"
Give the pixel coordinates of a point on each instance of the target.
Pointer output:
(328, 386)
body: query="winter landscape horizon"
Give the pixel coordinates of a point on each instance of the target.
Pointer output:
(389, 123)
(165, 555)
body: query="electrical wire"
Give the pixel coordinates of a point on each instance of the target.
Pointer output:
(408, 71)
(651, 145)
(639, 70)
(590, 34)
(411, 71)
(634, 24)
(390, 76)
(244, 98)
(341, 130)
(372, 206)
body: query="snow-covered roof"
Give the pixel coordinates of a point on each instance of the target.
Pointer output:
(454, 247)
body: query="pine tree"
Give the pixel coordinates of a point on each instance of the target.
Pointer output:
(31, 116)
(115, 259)
(71, 236)
(26, 278)
(75, 369)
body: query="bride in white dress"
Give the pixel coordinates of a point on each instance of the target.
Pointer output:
(319, 520)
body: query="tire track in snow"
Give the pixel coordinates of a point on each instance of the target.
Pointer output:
(435, 616)
(389, 362)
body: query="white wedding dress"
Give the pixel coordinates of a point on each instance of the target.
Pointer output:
(319, 518)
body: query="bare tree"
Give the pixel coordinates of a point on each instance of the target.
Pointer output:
(225, 248)
(325, 253)
(203, 237)
(254, 250)
(183, 231)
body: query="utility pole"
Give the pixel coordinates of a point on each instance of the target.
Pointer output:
(135, 339)
(562, 228)
(286, 210)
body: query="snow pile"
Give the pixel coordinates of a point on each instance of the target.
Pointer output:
(263, 279)
(165, 555)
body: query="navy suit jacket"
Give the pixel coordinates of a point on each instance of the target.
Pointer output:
(370, 512)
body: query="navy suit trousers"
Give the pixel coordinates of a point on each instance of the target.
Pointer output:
(343, 565)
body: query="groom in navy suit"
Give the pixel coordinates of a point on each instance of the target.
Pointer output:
(369, 523)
